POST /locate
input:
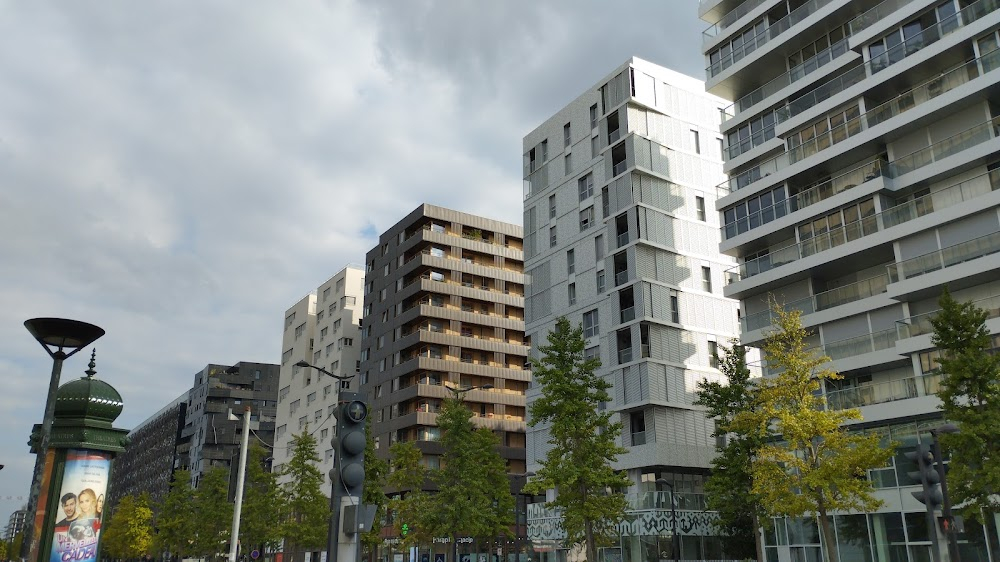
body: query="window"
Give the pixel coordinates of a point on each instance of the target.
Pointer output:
(567, 135)
(336, 324)
(600, 281)
(758, 210)
(283, 393)
(571, 293)
(637, 421)
(590, 324)
(322, 334)
(326, 294)
(570, 261)
(299, 330)
(311, 398)
(586, 218)
(706, 279)
(699, 205)
(294, 406)
(348, 342)
(713, 354)
(592, 353)
(303, 421)
(594, 147)
(286, 356)
(675, 315)
(385, 270)
(327, 390)
(281, 431)
(568, 163)
(340, 283)
(605, 203)
(585, 186)
(319, 316)
(545, 150)
(318, 415)
(756, 132)
(599, 247)
(695, 142)
(347, 301)
(552, 206)
(552, 237)
(593, 116)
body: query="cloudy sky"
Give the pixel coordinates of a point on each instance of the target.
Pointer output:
(179, 173)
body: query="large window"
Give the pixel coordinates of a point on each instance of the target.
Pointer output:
(585, 186)
(755, 211)
(591, 325)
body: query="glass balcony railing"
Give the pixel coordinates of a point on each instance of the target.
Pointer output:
(628, 314)
(874, 15)
(839, 84)
(765, 35)
(624, 355)
(822, 301)
(796, 73)
(730, 18)
(946, 257)
(945, 148)
(621, 277)
(619, 168)
(882, 392)
(920, 324)
(808, 196)
(859, 345)
(755, 139)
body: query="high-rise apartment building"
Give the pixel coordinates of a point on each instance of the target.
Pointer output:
(861, 147)
(621, 238)
(209, 437)
(444, 311)
(321, 329)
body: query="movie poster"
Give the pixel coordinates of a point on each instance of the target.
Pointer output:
(81, 501)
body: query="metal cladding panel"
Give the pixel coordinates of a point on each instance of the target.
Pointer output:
(660, 193)
(636, 389)
(655, 375)
(665, 344)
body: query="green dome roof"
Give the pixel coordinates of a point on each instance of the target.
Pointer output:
(88, 397)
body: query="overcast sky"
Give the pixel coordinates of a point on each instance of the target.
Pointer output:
(180, 173)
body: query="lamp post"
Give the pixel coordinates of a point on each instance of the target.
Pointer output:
(673, 518)
(333, 533)
(61, 338)
(458, 393)
(950, 533)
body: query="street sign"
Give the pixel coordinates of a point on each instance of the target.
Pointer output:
(255, 554)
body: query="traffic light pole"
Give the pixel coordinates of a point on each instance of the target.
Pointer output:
(333, 533)
(951, 534)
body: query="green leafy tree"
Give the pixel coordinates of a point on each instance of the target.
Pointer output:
(4, 550)
(213, 514)
(970, 397)
(129, 534)
(729, 488)
(308, 509)
(376, 471)
(15, 545)
(473, 497)
(264, 503)
(175, 527)
(818, 466)
(584, 442)
(410, 506)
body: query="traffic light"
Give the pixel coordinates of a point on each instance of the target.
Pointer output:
(927, 473)
(35, 439)
(351, 440)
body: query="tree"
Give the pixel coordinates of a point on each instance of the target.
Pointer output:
(129, 534)
(729, 487)
(410, 506)
(264, 503)
(584, 441)
(373, 494)
(174, 525)
(473, 497)
(970, 397)
(213, 514)
(15, 545)
(818, 466)
(3, 550)
(308, 509)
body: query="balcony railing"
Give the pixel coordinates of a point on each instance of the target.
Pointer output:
(624, 355)
(765, 35)
(858, 345)
(628, 314)
(946, 257)
(796, 73)
(621, 277)
(874, 15)
(619, 168)
(755, 139)
(882, 392)
(920, 324)
(942, 199)
(822, 301)
(945, 148)
(730, 18)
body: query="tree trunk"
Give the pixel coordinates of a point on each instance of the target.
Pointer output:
(758, 539)
(591, 545)
(829, 540)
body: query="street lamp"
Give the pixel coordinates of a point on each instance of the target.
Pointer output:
(673, 518)
(950, 533)
(61, 338)
(333, 533)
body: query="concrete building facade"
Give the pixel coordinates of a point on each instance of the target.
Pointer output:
(323, 329)
(862, 151)
(621, 238)
(444, 310)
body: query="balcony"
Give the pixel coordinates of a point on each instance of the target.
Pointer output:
(942, 199)
(765, 35)
(730, 18)
(945, 148)
(946, 257)
(882, 392)
(822, 301)
(796, 73)
(920, 324)
(859, 345)
(875, 15)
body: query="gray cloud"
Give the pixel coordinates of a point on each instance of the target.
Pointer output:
(181, 175)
